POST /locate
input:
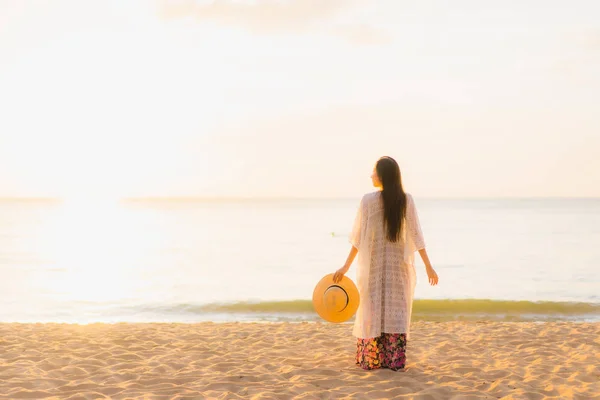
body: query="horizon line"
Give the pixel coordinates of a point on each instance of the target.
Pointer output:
(289, 198)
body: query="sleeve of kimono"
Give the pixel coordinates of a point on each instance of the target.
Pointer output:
(413, 225)
(358, 226)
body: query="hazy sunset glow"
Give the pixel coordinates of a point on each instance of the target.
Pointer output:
(110, 99)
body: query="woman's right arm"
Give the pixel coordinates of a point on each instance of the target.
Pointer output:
(414, 227)
(431, 274)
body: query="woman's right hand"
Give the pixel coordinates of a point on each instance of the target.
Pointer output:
(432, 275)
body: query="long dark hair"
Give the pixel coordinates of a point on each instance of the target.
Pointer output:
(394, 198)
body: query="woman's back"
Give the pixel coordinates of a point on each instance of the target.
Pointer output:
(370, 224)
(385, 276)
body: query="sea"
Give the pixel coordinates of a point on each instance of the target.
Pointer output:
(223, 260)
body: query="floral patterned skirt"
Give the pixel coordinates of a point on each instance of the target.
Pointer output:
(385, 351)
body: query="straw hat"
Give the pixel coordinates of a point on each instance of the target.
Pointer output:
(335, 302)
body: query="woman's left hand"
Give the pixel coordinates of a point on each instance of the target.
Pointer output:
(339, 274)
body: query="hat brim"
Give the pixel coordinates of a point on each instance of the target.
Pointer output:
(336, 316)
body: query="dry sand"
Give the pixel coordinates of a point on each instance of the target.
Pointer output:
(446, 360)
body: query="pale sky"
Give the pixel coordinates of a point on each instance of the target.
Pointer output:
(299, 98)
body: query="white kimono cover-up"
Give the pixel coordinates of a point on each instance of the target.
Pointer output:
(385, 274)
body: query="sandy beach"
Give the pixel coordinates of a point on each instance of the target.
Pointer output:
(446, 360)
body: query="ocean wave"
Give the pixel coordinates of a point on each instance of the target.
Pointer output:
(421, 307)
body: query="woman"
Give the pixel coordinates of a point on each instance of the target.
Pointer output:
(385, 235)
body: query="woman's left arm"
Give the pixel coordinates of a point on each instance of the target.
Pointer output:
(355, 236)
(339, 274)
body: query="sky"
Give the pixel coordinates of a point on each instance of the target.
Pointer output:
(298, 98)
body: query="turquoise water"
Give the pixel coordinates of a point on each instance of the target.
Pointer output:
(186, 261)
